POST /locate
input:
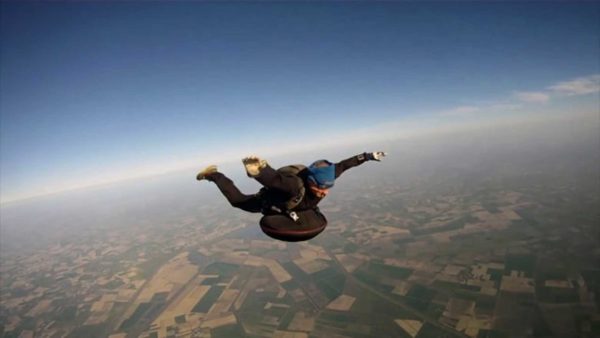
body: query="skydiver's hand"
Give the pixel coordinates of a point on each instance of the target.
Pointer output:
(375, 156)
(253, 165)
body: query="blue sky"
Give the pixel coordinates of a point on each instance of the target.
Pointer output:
(92, 92)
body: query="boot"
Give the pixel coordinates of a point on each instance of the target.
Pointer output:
(204, 174)
(253, 165)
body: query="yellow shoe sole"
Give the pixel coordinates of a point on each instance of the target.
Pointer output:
(208, 170)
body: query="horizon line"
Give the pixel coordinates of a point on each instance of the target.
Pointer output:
(391, 131)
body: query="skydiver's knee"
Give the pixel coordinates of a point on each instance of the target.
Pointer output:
(237, 204)
(248, 206)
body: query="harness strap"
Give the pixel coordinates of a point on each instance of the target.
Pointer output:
(291, 214)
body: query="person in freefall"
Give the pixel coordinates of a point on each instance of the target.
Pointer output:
(290, 195)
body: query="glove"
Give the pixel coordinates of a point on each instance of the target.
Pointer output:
(375, 156)
(253, 165)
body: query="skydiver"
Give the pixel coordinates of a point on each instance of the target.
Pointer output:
(290, 195)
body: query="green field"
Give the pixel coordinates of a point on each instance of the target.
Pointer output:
(225, 271)
(430, 331)
(525, 263)
(209, 298)
(228, 331)
(330, 281)
(137, 315)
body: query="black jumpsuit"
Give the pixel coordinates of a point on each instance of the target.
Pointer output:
(278, 189)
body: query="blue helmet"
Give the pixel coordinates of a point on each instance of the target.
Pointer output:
(322, 174)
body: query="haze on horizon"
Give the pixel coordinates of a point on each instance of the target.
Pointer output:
(562, 145)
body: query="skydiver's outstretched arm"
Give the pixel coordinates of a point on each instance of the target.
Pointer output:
(357, 160)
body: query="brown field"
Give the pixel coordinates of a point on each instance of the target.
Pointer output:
(565, 284)
(310, 265)
(223, 304)
(453, 270)
(412, 327)
(494, 221)
(254, 261)
(310, 251)
(351, 262)
(240, 300)
(11, 323)
(184, 306)
(511, 196)
(227, 319)
(517, 284)
(276, 305)
(40, 308)
(487, 285)
(289, 334)
(100, 304)
(499, 266)
(436, 223)
(125, 295)
(302, 322)
(407, 263)
(342, 303)
(457, 307)
(509, 214)
(171, 276)
(101, 310)
(178, 271)
(276, 269)
(490, 291)
(298, 295)
(387, 231)
(236, 257)
(479, 272)
(471, 326)
(401, 288)
(118, 335)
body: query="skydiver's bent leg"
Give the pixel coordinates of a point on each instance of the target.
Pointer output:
(311, 223)
(271, 178)
(250, 203)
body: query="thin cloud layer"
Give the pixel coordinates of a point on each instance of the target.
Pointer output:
(535, 97)
(460, 111)
(578, 86)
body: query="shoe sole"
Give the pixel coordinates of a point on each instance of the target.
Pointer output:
(208, 170)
